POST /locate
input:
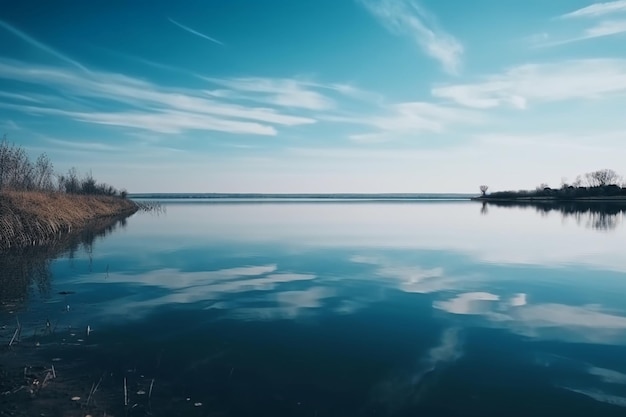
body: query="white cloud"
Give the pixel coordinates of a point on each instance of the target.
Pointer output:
(147, 106)
(599, 30)
(281, 91)
(598, 9)
(410, 118)
(407, 17)
(173, 122)
(84, 146)
(19, 97)
(9, 125)
(522, 85)
(606, 28)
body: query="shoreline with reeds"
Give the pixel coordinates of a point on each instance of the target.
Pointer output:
(38, 218)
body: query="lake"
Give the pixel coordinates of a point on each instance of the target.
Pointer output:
(334, 308)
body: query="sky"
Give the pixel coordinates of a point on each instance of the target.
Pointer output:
(324, 96)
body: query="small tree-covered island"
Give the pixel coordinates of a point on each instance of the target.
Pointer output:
(601, 185)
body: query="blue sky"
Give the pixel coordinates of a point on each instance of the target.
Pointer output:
(317, 96)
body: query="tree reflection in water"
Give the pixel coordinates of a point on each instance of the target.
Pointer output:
(21, 270)
(602, 216)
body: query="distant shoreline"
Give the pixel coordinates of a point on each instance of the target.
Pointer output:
(303, 196)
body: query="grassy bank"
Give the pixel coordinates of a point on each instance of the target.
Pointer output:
(32, 218)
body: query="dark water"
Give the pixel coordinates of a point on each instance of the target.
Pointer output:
(333, 309)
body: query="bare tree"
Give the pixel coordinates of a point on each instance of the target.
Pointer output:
(72, 183)
(578, 182)
(44, 173)
(88, 185)
(483, 189)
(602, 178)
(18, 172)
(5, 156)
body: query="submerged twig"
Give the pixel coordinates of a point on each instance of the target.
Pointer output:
(98, 384)
(91, 391)
(14, 336)
(18, 330)
(125, 393)
(46, 379)
(150, 390)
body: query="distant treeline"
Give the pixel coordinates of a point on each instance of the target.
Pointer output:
(604, 183)
(19, 173)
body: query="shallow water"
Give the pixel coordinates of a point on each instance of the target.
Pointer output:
(336, 309)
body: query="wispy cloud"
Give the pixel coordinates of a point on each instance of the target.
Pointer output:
(606, 23)
(19, 97)
(407, 17)
(84, 146)
(601, 29)
(279, 91)
(606, 28)
(598, 9)
(398, 120)
(147, 106)
(9, 125)
(519, 86)
(37, 44)
(195, 32)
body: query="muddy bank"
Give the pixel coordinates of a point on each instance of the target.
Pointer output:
(30, 219)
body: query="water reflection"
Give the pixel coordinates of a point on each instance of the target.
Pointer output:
(595, 215)
(411, 386)
(347, 309)
(22, 268)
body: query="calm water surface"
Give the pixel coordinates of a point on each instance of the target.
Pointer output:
(343, 309)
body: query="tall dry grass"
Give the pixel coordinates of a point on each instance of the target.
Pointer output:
(30, 218)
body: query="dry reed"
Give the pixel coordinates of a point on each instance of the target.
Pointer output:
(40, 218)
